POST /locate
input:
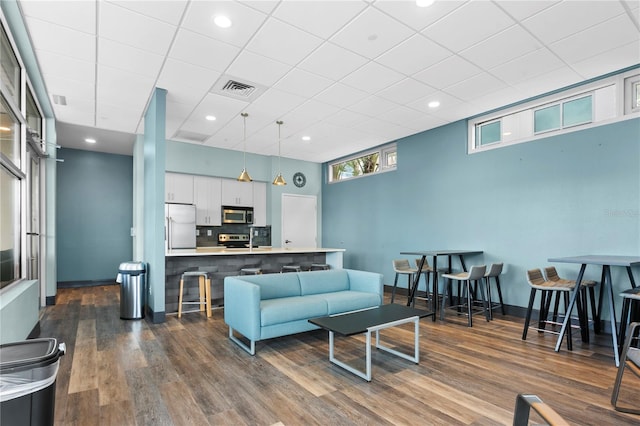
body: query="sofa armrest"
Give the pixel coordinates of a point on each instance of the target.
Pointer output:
(242, 307)
(370, 282)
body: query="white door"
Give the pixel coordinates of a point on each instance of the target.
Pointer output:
(299, 221)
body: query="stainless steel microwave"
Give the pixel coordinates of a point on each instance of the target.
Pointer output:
(237, 215)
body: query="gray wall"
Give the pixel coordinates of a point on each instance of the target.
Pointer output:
(94, 214)
(566, 195)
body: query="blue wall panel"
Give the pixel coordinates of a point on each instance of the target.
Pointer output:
(571, 194)
(94, 214)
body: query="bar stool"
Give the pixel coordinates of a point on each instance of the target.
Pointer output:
(476, 273)
(320, 267)
(290, 268)
(204, 296)
(629, 359)
(401, 267)
(494, 271)
(630, 311)
(427, 270)
(251, 271)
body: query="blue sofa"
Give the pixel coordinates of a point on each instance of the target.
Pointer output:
(261, 307)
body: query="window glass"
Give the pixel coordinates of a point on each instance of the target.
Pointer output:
(9, 227)
(546, 119)
(373, 162)
(34, 118)
(636, 95)
(9, 68)
(489, 133)
(9, 134)
(577, 111)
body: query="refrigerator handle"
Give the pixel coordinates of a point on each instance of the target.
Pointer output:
(168, 231)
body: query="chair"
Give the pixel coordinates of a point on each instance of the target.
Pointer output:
(401, 267)
(319, 267)
(524, 405)
(494, 272)
(291, 268)
(251, 271)
(630, 311)
(476, 273)
(548, 289)
(552, 275)
(204, 292)
(427, 270)
(630, 359)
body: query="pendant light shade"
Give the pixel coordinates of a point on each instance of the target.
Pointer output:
(279, 180)
(244, 176)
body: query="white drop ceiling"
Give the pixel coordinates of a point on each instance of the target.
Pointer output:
(349, 74)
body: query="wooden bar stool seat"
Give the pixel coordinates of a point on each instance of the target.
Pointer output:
(401, 267)
(291, 268)
(251, 271)
(320, 267)
(476, 273)
(204, 292)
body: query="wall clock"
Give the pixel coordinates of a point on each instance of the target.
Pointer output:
(299, 179)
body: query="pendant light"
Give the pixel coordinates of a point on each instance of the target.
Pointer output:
(279, 180)
(244, 176)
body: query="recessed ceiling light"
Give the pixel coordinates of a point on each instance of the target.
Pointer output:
(433, 104)
(372, 37)
(507, 133)
(306, 138)
(211, 117)
(222, 21)
(424, 3)
(90, 140)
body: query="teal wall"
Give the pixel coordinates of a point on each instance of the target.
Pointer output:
(202, 160)
(94, 215)
(566, 195)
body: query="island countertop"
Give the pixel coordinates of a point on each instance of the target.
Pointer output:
(222, 251)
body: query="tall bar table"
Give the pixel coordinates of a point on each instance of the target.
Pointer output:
(606, 262)
(434, 255)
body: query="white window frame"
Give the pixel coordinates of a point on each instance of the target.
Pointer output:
(383, 154)
(622, 85)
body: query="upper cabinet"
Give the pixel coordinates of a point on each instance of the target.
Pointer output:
(178, 188)
(235, 193)
(259, 203)
(207, 193)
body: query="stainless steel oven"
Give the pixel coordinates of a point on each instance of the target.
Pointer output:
(237, 215)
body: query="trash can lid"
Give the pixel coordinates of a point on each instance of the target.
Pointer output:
(129, 267)
(28, 353)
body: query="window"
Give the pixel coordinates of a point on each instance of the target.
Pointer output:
(488, 133)
(568, 113)
(34, 121)
(632, 94)
(381, 160)
(9, 227)
(9, 69)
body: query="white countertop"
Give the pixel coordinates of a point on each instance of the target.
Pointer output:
(221, 251)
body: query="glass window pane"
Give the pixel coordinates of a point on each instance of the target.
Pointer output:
(9, 227)
(636, 94)
(577, 111)
(34, 118)
(392, 159)
(546, 119)
(9, 68)
(490, 133)
(9, 134)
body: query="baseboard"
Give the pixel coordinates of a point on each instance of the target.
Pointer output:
(156, 317)
(50, 300)
(86, 283)
(35, 332)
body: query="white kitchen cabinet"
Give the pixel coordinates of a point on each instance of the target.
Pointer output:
(207, 192)
(236, 193)
(260, 203)
(178, 188)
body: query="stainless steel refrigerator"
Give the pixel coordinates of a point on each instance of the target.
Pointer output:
(180, 226)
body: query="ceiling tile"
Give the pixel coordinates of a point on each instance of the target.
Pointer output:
(70, 88)
(303, 83)
(447, 103)
(223, 108)
(332, 61)
(463, 27)
(548, 82)
(185, 90)
(82, 112)
(127, 58)
(264, 6)
(341, 95)
(524, 8)
(402, 116)
(603, 63)
(569, 17)
(80, 16)
(475, 87)
(448, 72)
(373, 106)
(346, 118)
(188, 47)
(598, 39)
(372, 77)
(283, 42)
(406, 91)
(417, 17)
(72, 69)
(322, 18)
(134, 29)
(61, 40)
(117, 117)
(413, 55)
(533, 64)
(257, 68)
(169, 11)
(371, 34)
(500, 48)
(245, 21)
(276, 103)
(117, 87)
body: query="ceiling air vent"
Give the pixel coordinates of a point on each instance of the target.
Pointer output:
(59, 99)
(233, 87)
(190, 136)
(238, 89)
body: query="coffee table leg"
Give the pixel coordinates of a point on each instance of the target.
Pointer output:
(366, 375)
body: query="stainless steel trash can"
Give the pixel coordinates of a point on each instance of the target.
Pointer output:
(28, 372)
(132, 277)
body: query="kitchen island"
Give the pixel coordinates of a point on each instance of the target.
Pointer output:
(224, 262)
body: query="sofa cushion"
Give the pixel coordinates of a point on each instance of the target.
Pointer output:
(345, 301)
(278, 311)
(275, 286)
(316, 282)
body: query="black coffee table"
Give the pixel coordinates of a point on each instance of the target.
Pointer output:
(367, 321)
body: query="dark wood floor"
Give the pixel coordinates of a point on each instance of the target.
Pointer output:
(186, 372)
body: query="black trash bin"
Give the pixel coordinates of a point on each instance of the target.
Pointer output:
(28, 372)
(132, 277)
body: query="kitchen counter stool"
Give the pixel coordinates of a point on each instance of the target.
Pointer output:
(251, 271)
(630, 311)
(476, 273)
(204, 293)
(291, 268)
(319, 267)
(401, 267)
